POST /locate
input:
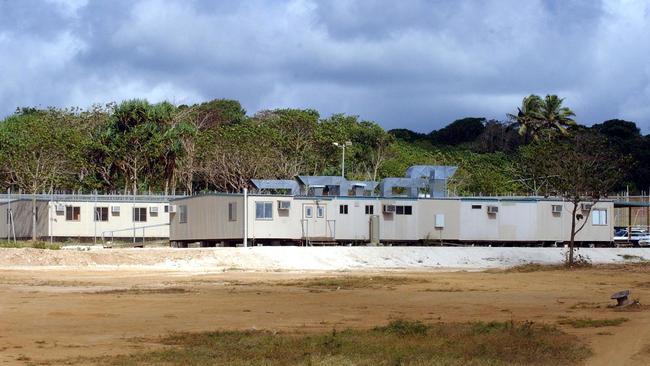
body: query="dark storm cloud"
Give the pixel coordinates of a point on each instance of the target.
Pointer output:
(417, 64)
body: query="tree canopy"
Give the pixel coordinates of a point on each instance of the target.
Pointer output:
(137, 146)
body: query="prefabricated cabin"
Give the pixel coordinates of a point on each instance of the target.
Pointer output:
(218, 219)
(86, 218)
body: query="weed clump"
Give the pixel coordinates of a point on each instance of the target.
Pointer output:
(592, 323)
(29, 244)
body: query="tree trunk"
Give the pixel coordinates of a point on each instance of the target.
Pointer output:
(573, 233)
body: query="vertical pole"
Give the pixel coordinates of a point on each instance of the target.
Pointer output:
(133, 215)
(50, 214)
(629, 223)
(647, 212)
(95, 218)
(245, 217)
(343, 163)
(9, 214)
(34, 216)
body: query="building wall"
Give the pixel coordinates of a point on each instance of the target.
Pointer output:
(122, 223)
(427, 211)
(207, 218)
(516, 220)
(394, 227)
(288, 224)
(22, 215)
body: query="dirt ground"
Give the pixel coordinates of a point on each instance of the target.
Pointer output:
(52, 316)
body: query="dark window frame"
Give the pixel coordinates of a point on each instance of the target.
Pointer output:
(72, 213)
(370, 209)
(137, 214)
(100, 214)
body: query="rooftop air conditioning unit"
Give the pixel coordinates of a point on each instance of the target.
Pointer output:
(557, 209)
(586, 206)
(284, 205)
(153, 209)
(60, 208)
(115, 209)
(492, 209)
(389, 209)
(172, 208)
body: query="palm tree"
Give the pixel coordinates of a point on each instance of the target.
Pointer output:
(528, 116)
(539, 117)
(556, 117)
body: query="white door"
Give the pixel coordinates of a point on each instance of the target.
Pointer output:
(314, 221)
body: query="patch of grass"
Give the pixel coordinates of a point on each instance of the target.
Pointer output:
(400, 342)
(629, 257)
(535, 267)
(592, 323)
(444, 289)
(585, 305)
(142, 291)
(29, 244)
(353, 282)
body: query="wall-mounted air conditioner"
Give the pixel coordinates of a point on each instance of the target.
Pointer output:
(172, 208)
(389, 209)
(586, 206)
(284, 205)
(60, 208)
(153, 209)
(492, 209)
(557, 209)
(115, 209)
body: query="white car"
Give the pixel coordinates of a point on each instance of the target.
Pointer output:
(644, 241)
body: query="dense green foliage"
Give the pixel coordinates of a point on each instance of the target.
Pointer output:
(136, 146)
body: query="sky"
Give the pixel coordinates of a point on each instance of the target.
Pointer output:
(404, 64)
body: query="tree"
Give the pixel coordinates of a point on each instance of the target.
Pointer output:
(458, 132)
(497, 136)
(137, 141)
(543, 118)
(37, 151)
(579, 168)
(626, 138)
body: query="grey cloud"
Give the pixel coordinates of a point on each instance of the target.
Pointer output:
(417, 64)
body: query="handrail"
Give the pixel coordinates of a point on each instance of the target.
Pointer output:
(134, 229)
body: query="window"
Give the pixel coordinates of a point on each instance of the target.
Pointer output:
(166, 208)
(476, 207)
(403, 210)
(101, 213)
(343, 209)
(182, 214)
(599, 217)
(264, 210)
(139, 214)
(309, 212)
(232, 211)
(320, 212)
(72, 213)
(370, 210)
